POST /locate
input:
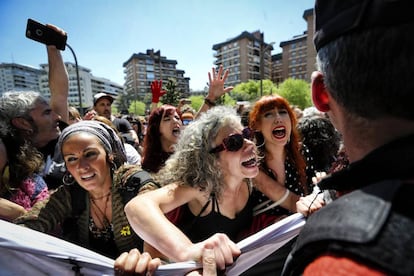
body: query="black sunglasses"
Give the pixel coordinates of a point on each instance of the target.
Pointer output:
(234, 142)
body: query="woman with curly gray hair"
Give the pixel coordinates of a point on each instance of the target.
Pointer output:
(205, 190)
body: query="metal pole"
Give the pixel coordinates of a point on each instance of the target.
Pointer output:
(261, 68)
(77, 77)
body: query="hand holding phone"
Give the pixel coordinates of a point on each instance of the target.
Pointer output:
(43, 34)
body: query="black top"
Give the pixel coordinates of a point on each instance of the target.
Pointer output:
(198, 228)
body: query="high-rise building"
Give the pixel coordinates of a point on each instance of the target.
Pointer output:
(298, 53)
(17, 77)
(243, 56)
(89, 85)
(143, 68)
(277, 68)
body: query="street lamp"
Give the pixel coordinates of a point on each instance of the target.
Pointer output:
(77, 78)
(262, 51)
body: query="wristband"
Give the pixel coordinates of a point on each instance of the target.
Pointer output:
(209, 102)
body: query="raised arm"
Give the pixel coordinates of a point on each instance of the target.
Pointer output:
(58, 80)
(157, 93)
(216, 88)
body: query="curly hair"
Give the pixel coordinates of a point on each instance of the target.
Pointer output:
(192, 164)
(293, 148)
(23, 157)
(322, 139)
(153, 156)
(15, 105)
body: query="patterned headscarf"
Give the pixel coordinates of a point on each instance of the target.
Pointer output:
(105, 134)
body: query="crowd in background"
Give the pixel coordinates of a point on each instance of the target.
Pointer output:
(179, 184)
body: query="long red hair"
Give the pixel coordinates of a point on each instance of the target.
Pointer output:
(293, 148)
(153, 156)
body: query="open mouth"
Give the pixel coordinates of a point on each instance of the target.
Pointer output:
(250, 163)
(87, 177)
(176, 131)
(279, 132)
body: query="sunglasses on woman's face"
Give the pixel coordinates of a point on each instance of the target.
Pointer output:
(234, 142)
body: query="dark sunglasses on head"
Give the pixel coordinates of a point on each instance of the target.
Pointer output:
(234, 142)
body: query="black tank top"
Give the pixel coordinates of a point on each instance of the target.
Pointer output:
(198, 228)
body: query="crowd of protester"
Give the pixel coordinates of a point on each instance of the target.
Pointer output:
(179, 184)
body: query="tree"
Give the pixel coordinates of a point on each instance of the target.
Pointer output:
(173, 93)
(137, 108)
(246, 91)
(250, 91)
(297, 92)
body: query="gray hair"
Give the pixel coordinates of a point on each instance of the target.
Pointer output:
(106, 135)
(17, 104)
(192, 164)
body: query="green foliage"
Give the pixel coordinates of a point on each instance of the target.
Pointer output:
(173, 94)
(297, 92)
(114, 109)
(246, 91)
(196, 102)
(250, 91)
(137, 108)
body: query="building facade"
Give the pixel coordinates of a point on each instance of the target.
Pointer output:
(298, 54)
(277, 77)
(17, 77)
(143, 68)
(246, 56)
(89, 86)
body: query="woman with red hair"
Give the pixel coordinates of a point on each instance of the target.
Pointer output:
(163, 131)
(285, 170)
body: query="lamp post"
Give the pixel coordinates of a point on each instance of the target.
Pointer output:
(262, 51)
(77, 78)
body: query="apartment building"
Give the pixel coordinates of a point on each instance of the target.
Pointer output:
(299, 54)
(246, 56)
(276, 76)
(89, 85)
(18, 77)
(143, 68)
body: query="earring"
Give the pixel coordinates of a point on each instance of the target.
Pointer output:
(113, 167)
(68, 179)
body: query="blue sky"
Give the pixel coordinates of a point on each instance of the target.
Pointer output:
(104, 34)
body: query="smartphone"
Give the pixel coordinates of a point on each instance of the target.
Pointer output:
(43, 34)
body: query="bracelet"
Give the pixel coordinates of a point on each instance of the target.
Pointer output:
(209, 102)
(256, 210)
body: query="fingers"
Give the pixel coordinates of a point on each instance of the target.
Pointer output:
(127, 261)
(225, 250)
(209, 261)
(318, 177)
(135, 263)
(309, 204)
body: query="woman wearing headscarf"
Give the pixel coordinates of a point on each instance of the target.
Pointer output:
(89, 209)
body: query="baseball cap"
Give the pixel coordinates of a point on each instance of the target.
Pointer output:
(101, 95)
(187, 117)
(334, 18)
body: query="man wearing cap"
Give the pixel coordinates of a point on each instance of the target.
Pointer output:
(102, 103)
(365, 84)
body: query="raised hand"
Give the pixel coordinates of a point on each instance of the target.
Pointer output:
(216, 83)
(156, 91)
